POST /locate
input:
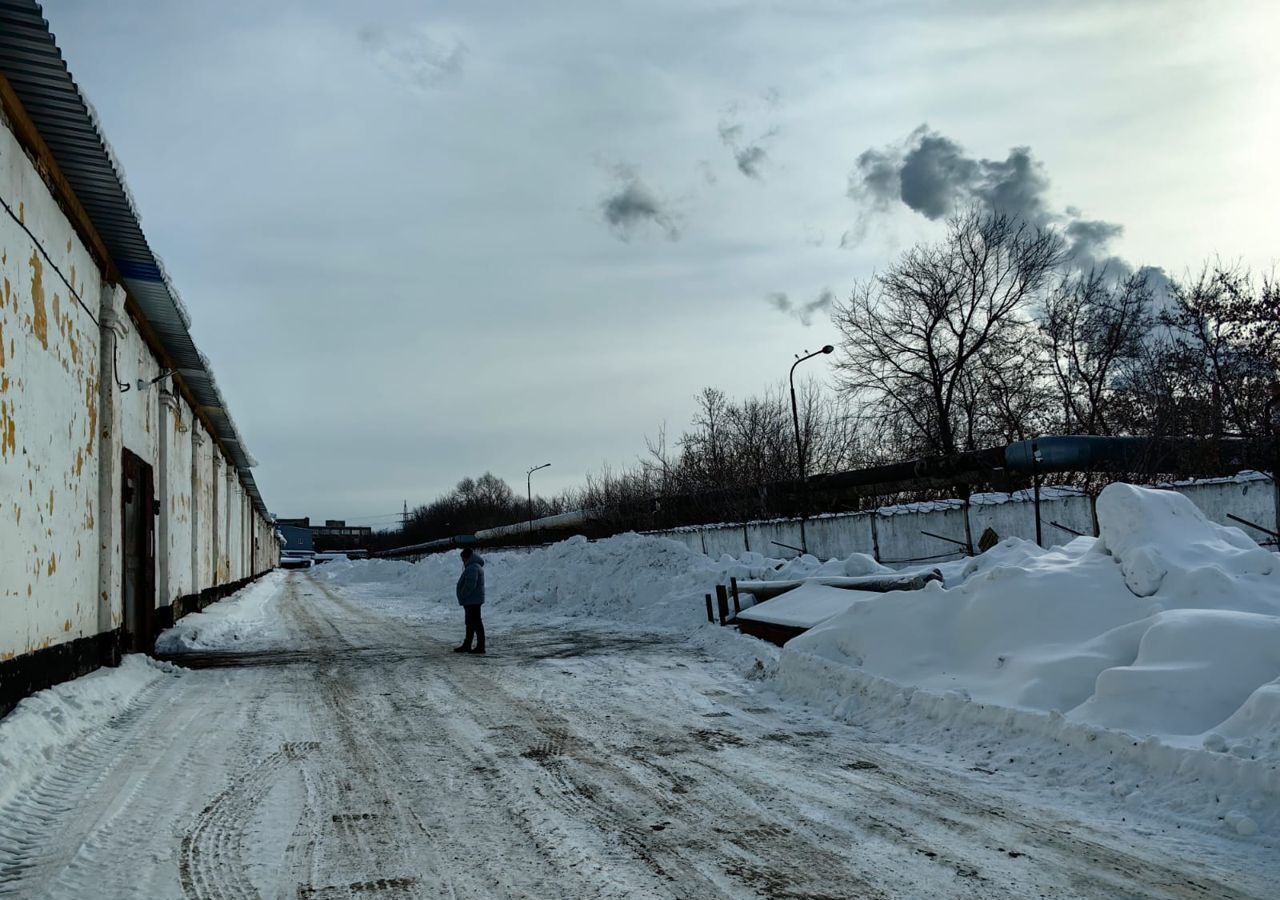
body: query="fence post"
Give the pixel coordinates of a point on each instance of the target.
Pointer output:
(733, 589)
(1035, 490)
(711, 616)
(722, 601)
(875, 536)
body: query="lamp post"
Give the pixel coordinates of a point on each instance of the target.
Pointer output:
(795, 418)
(529, 487)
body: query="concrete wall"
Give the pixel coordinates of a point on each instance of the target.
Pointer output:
(895, 535)
(901, 533)
(64, 423)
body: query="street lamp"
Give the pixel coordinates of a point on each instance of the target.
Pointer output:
(529, 487)
(795, 418)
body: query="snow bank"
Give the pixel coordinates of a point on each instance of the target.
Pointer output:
(1166, 629)
(44, 723)
(246, 618)
(631, 578)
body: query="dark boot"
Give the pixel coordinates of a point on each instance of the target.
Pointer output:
(465, 648)
(479, 648)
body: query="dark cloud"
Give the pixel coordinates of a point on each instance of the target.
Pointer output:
(632, 205)
(932, 175)
(750, 155)
(415, 57)
(805, 312)
(750, 159)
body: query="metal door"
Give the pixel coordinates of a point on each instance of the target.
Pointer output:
(138, 544)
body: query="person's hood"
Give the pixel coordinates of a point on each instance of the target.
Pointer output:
(477, 559)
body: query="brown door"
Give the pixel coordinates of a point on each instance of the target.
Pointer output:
(138, 541)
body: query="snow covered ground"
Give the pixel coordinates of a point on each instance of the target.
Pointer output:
(321, 740)
(1145, 662)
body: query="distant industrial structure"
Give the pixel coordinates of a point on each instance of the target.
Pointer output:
(126, 492)
(333, 535)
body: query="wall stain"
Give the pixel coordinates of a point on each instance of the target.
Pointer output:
(91, 407)
(39, 318)
(8, 430)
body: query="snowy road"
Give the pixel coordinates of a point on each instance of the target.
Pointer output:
(364, 759)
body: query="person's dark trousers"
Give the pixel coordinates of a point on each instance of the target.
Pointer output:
(475, 627)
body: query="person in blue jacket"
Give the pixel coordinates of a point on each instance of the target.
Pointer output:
(471, 598)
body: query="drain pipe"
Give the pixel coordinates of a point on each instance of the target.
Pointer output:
(110, 310)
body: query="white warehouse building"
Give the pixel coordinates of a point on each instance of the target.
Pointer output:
(126, 493)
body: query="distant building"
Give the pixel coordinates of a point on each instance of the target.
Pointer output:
(296, 538)
(334, 534)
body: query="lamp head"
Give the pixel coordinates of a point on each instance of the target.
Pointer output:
(828, 349)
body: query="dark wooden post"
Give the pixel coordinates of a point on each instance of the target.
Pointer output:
(722, 601)
(711, 616)
(733, 589)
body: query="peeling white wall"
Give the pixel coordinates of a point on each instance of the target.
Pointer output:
(55, 553)
(178, 466)
(48, 419)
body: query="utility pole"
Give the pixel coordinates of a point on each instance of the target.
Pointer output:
(795, 418)
(529, 487)
(404, 517)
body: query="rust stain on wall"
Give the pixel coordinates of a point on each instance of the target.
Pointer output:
(91, 409)
(39, 317)
(8, 430)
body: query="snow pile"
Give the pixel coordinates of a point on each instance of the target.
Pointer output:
(633, 578)
(247, 618)
(1165, 627)
(43, 724)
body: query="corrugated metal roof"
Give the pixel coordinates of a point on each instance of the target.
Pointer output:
(33, 64)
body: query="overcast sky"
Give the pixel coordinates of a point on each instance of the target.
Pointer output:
(424, 240)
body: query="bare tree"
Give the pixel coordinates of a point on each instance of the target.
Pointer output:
(1093, 330)
(920, 339)
(1219, 347)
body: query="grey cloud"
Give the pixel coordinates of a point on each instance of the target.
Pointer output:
(805, 312)
(932, 175)
(750, 159)
(415, 57)
(750, 155)
(731, 132)
(632, 205)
